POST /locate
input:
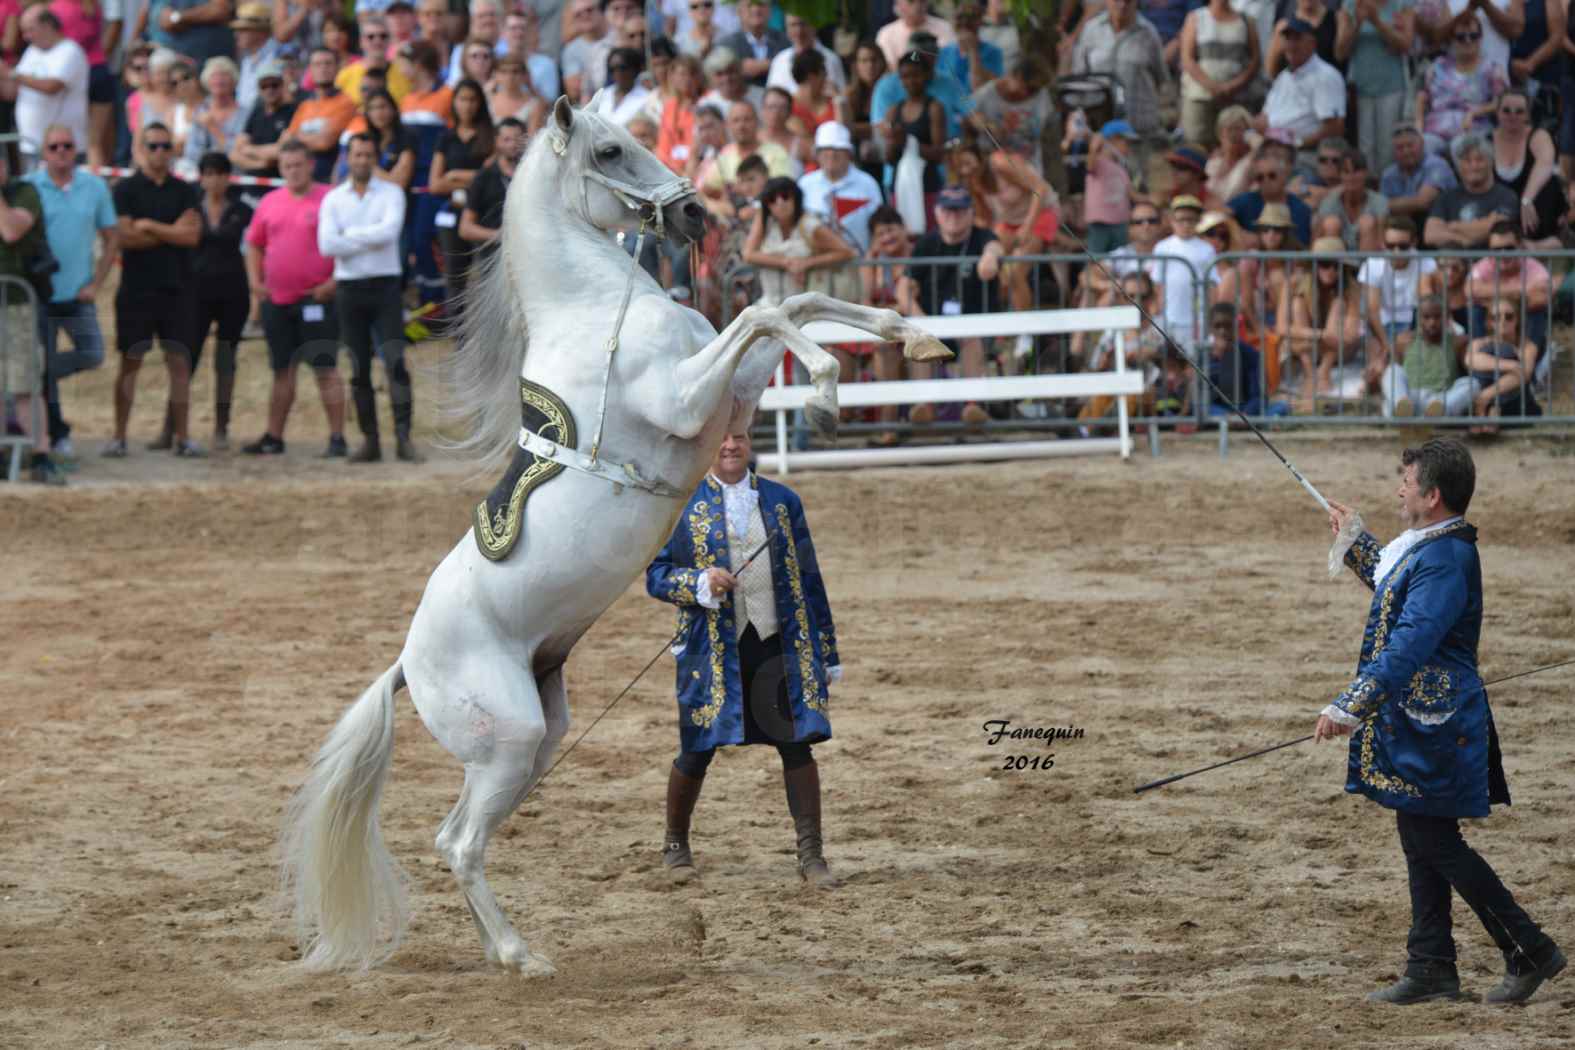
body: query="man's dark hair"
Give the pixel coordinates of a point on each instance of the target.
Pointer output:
(807, 64)
(1401, 224)
(662, 47)
(47, 17)
(512, 122)
(1506, 228)
(752, 164)
(1356, 159)
(362, 136)
(1444, 464)
(214, 163)
(886, 215)
(322, 50)
(1223, 312)
(157, 125)
(293, 146)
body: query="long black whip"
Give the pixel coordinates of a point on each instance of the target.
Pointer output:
(625, 691)
(1304, 739)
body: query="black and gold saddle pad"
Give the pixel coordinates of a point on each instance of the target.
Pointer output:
(499, 517)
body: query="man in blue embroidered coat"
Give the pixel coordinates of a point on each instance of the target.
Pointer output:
(1422, 735)
(756, 648)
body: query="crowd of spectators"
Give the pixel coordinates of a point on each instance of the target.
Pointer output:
(1179, 130)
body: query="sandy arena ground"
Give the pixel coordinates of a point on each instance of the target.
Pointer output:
(178, 637)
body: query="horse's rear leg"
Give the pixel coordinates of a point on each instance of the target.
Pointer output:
(497, 771)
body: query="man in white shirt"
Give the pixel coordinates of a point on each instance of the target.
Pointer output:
(1393, 288)
(912, 16)
(838, 192)
(1307, 100)
(49, 84)
(1174, 281)
(802, 32)
(358, 227)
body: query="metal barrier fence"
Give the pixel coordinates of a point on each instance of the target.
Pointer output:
(21, 368)
(1321, 358)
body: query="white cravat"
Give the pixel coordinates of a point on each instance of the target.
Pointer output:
(1396, 548)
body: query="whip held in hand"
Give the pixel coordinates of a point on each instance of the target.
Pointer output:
(625, 691)
(1303, 739)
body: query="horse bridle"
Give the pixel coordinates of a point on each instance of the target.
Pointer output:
(648, 205)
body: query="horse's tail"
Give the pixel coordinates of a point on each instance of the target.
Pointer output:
(349, 894)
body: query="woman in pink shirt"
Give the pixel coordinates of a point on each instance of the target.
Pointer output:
(83, 22)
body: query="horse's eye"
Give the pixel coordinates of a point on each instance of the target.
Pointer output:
(609, 153)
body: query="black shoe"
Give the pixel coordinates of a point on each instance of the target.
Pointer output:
(1410, 989)
(46, 472)
(406, 451)
(369, 452)
(337, 448)
(267, 445)
(1518, 987)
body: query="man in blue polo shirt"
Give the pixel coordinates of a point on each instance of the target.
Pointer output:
(77, 206)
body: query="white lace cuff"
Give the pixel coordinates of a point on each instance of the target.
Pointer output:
(834, 673)
(703, 593)
(1340, 715)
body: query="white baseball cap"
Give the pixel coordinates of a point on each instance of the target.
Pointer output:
(832, 135)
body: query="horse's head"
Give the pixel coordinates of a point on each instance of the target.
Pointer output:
(621, 183)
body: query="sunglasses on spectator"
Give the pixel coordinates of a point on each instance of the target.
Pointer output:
(1266, 176)
(1333, 158)
(1398, 245)
(374, 36)
(1152, 220)
(139, 67)
(708, 4)
(1506, 317)
(1466, 38)
(1220, 326)
(159, 147)
(267, 84)
(59, 147)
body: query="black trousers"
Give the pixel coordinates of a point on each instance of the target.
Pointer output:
(1438, 860)
(372, 321)
(765, 697)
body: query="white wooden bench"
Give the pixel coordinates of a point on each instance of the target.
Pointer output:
(1118, 383)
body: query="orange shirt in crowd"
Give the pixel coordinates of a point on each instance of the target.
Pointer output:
(676, 136)
(335, 113)
(437, 104)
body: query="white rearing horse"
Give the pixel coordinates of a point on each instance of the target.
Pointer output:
(657, 388)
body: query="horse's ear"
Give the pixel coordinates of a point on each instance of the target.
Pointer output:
(594, 105)
(563, 114)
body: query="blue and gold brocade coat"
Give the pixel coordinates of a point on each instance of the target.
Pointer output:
(1427, 744)
(710, 690)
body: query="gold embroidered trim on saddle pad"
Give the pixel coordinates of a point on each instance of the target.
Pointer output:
(498, 517)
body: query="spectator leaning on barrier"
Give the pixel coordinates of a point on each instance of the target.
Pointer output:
(1510, 278)
(359, 226)
(1502, 363)
(1462, 217)
(49, 84)
(1413, 182)
(1355, 213)
(1235, 368)
(159, 227)
(1427, 367)
(256, 149)
(21, 235)
(295, 282)
(77, 210)
(1180, 269)
(1306, 102)
(842, 195)
(222, 292)
(1393, 287)
(957, 290)
(482, 219)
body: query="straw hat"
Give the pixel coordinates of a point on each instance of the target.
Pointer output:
(1279, 217)
(1334, 246)
(253, 15)
(1214, 220)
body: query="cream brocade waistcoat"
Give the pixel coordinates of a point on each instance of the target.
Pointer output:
(754, 598)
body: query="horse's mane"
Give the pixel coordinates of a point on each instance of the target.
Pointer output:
(481, 396)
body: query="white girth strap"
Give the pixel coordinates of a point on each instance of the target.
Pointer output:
(616, 474)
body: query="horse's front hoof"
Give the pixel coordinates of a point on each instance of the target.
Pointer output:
(822, 419)
(926, 348)
(527, 963)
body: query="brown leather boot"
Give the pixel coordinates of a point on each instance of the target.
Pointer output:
(682, 793)
(803, 795)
